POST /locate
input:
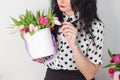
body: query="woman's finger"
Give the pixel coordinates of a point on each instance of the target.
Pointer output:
(66, 30)
(69, 31)
(70, 34)
(40, 60)
(68, 25)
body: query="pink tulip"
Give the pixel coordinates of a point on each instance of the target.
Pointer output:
(31, 27)
(117, 58)
(13, 31)
(52, 28)
(111, 72)
(112, 61)
(35, 28)
(116, 54)
(46, 21)
(43, 21)
(25, 30)
(56, 18)
(56, 21)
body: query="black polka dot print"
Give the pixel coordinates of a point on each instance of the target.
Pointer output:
(67, 47)
(69, 19)
(92, 50)
(70, 59)
(79, 41)
(70, 66)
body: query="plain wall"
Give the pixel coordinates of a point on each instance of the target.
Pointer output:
(16, 64)
(109, 12)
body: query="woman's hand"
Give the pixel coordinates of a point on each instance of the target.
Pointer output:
(39, 60)
(70, 32)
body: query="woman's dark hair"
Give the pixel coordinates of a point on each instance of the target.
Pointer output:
(87, 10)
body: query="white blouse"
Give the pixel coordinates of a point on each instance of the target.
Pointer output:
(64, 58)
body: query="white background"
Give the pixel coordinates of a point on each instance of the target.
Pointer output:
(15, 64)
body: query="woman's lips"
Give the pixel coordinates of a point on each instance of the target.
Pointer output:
(62, 6)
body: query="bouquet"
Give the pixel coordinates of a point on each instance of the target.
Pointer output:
(114, 65)
(30, 23)
(35, 31)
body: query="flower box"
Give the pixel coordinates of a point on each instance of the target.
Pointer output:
(35, 30)
(40, 44)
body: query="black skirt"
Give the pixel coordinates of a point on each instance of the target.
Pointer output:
(64, 75)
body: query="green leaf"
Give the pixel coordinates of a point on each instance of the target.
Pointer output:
(34, 19)
(53, 24)
(21, 17)
(16, 22)
(39, 27)
(118, 65)
(49, 14)
(31, 33)
(109, 65)
(117, 68)
(37, 17)
(110, 53)
(23, 21)
(27, 21)
(29, 17)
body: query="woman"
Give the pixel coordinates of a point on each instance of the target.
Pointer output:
(79, 41)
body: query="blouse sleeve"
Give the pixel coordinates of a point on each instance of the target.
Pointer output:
(96, 47)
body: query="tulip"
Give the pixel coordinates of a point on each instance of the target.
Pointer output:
(31, 27)
(43, 21)
(46, 21)
(35, 28)
(116, 54)
(117, 59)
(56, 21)
(17, 29)
(112, 61)
(111, 72)
(25, 30)
(52, 28)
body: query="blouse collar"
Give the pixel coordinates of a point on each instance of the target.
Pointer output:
(70, 18)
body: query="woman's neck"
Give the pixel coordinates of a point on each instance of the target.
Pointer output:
(69, 13)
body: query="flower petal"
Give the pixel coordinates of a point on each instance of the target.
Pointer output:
(57, 22)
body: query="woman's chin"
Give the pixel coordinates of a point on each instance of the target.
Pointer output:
(63, 10)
